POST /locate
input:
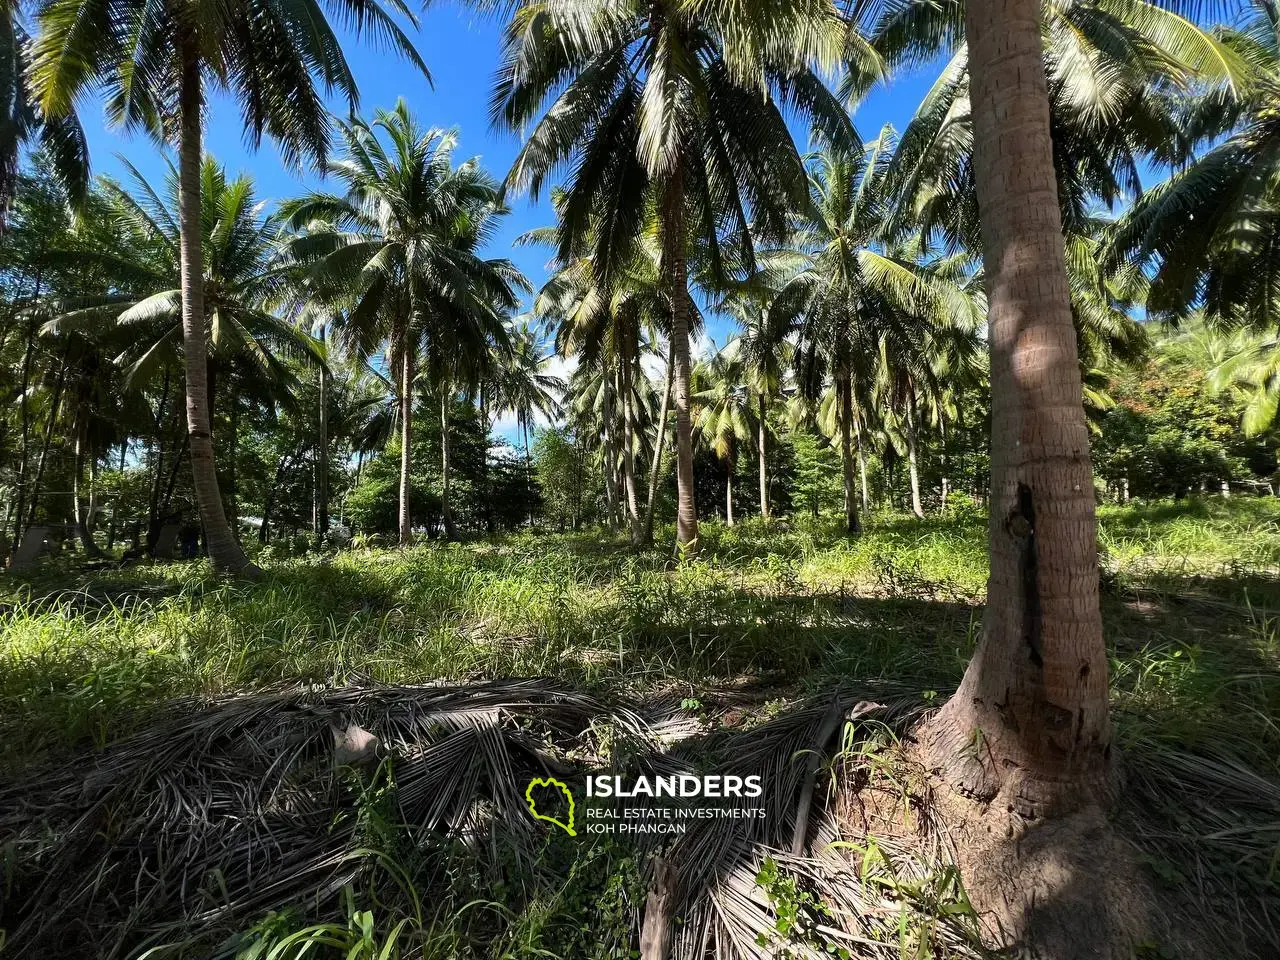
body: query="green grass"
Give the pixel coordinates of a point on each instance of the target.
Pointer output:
(767, 614)
(1192, 614)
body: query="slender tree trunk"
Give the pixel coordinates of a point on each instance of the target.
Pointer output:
(611, 495)
(406, 436)
(677, 271)
(728, 494)
(862, 461)
(764, 461)
(912, 466)
(224, 550)
(24, 407)
(1035, 692)
(853, 525)
(629, 456)
(82, 520)
(655, 468)
(322, 465)
(446, 479)
(55, 406)
(264, 531)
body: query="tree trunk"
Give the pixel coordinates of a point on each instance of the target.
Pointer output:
(853, 525)
(629, 455)
(224, 550)
(24, 406)
(322, 458)
(912, 467)
(610, 455)
(264, 533)
(677, 270)
(82, 520)
(406, 436)
(862, 461)
(655, 468)
(764, 461)
(728, 495)
(55, 406)
(1035, 692)
(446, 480)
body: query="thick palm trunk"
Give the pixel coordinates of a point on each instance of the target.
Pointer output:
(764, 462)
(406, 439)
(655, 468)
(677, 270)
(1035, 692)
(446, 476)
(224, 550)
(853, 524)
(913, 467)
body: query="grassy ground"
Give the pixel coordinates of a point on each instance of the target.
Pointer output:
(1191, 606)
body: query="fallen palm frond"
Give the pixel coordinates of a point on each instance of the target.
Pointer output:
(222, 811)
(794, 883)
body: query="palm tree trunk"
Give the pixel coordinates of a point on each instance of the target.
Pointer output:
(677, 269)
(83, 514)
(611, 496)
(728, 494)
(862, 461)
(224, 550)
(628, 454)
(764, 463)
(655, 468)
(853, 525)
(1036, 688)
(446, 479)
(55, 406)
(322, 457)
(912, 467)
(24, 405)
(406, 436)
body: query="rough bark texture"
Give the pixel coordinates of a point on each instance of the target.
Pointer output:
(1027, 734)
(677, 269)
(224, 549)
(1037, 685)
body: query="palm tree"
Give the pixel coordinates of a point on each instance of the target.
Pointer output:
(399, 249)
(670, 110)
(156, 63)
(1207, 234)
(525, 389)
(724, 411)
(22, 121)
(244, 340)
(853, 296)
(766, 356)
(1036, 688)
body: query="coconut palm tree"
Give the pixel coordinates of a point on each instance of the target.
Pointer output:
(853, 296)
(766, 355)
(1207, 235)
(23, 123)
(1041, 658)
(724, 412)
(671, 110)
(157, 63)
(399, 249)
(524, 388)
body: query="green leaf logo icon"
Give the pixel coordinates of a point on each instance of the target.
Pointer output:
(533, 804)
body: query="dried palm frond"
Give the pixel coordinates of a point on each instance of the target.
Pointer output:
(225, 809)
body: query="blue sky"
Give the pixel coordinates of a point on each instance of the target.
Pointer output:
(461, 49)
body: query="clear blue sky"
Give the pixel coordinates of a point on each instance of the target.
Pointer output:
(461, 49)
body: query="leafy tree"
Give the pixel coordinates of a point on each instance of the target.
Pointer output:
(155, 64)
